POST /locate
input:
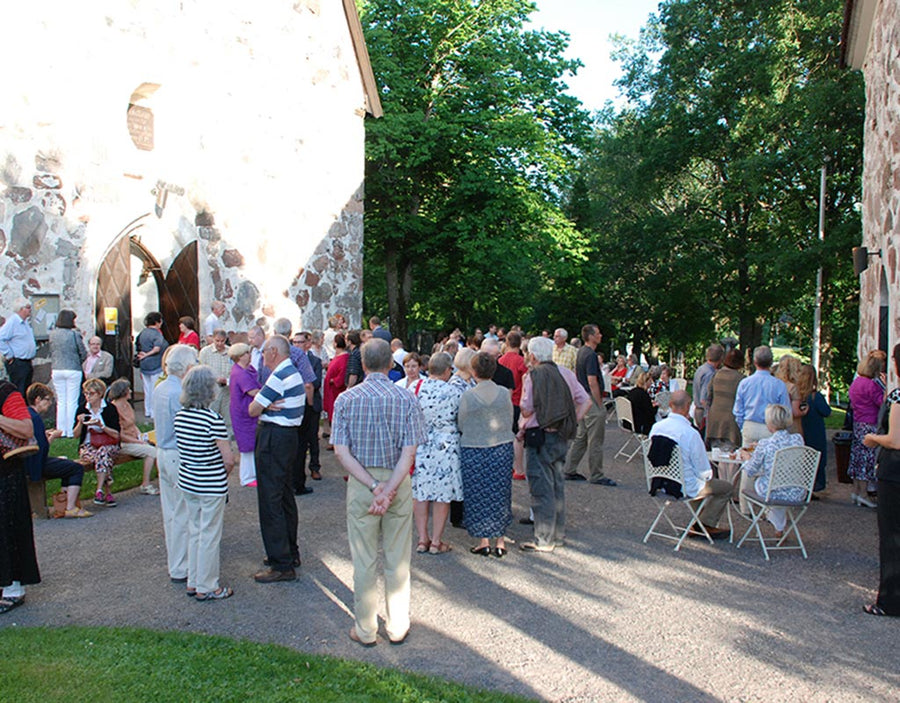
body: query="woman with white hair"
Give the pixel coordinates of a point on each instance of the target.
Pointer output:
(205, 462)
(779, 421)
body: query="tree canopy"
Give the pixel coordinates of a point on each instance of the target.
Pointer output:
(466, 168)
(707, 181)
(685, 213)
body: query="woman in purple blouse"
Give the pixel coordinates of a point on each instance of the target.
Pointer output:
(866, 397)
(243, 385)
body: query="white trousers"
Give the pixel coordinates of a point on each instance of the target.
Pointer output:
(66, 385)
(174, 512)
(205, 514)
(248, 467)
(751, 433)
(149, 380)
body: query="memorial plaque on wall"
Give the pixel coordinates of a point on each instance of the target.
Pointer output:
(140, 126)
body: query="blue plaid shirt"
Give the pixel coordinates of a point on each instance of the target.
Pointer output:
(376, 420)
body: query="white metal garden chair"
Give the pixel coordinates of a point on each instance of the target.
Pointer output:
(674, 471)
(626, 422)
(793, 467)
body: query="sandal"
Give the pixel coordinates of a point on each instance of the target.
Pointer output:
(78, 512)
(873, 609)
(422, 547)
(440, 548)
(191, 592)
(10, 602)
(219, 594)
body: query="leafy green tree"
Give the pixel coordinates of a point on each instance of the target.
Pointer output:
(710, 171)
(465, 170)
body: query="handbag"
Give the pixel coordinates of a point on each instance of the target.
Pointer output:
(99, 438)
(11, 446)
(60, 502)
(534, 437)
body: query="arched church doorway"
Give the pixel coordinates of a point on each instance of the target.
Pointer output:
(130, 283)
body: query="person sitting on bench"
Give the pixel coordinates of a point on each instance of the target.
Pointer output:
(42, 466)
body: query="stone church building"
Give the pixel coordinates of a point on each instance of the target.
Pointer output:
(162, 154)
(871, 43)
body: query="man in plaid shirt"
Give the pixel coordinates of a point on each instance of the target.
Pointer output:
(375, 431)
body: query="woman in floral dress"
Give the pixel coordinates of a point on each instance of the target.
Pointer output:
(437, 479)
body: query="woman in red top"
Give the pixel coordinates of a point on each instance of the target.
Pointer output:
(18, 562)
(188, 334)
(618, 374)
(334, 384)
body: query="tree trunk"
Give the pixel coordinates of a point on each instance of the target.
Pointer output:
(398, 276)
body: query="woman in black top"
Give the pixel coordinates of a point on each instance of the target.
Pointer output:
(642, 410)
(888, 475)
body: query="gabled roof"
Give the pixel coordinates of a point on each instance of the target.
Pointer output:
(858, 19)
(373, 102)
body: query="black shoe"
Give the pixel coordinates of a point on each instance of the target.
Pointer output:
(303, 491)
(272, 576)
(482, 551)
(526, 521)
(574, 477)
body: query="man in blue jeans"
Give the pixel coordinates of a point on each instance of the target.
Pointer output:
(553, 403)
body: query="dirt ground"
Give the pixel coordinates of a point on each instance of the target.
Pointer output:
(605, 618)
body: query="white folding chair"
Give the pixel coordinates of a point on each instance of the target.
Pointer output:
(793, 467)
(626, 422)
(674, 471)
(682, 383)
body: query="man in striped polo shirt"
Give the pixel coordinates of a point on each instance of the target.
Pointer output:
(279, 407)
(375, 430)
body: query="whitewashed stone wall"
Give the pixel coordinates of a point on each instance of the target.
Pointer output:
(257, 122)
(881, 177)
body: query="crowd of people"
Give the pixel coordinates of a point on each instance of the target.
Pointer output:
(425, 439)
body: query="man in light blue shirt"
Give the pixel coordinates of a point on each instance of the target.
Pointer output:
(754, 394)
(166, 402)
(18, 347)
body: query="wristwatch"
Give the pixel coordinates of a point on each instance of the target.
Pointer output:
(373, 486)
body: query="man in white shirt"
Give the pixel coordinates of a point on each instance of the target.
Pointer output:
(211, 323)
(256, 338)
(698, 480)
(397, 351)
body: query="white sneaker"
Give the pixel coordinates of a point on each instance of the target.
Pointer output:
(149, 490)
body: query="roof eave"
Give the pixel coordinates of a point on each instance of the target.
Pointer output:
(370, 87)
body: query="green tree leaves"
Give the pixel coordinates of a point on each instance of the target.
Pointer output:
(465, 169)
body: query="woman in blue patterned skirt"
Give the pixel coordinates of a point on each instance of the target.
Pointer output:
(486, 454)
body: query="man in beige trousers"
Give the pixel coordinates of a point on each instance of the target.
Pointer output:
(375, 430)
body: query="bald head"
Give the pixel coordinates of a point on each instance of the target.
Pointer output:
(680, 403)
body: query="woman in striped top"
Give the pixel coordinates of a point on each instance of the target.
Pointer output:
(205, 462)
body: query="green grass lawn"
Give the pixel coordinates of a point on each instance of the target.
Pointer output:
(126, 475)
(835, 421)
(75, 664)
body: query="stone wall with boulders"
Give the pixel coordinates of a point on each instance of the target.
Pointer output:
(241, 129)
(880, 283)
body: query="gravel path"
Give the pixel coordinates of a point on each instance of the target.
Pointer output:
(606, 618)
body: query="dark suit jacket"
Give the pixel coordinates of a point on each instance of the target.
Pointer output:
(504, 377)
(316, 364)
